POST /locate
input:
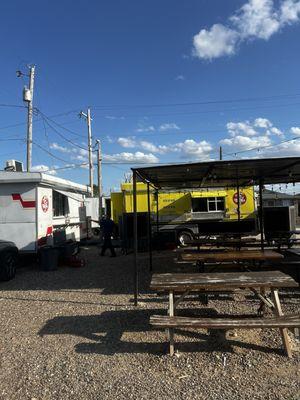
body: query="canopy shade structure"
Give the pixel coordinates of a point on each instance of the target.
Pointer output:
(222, 173)
(211, 174)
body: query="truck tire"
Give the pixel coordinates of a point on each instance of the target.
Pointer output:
(183, 237)
(8, 265)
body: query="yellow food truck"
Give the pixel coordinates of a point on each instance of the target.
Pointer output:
(189, 213)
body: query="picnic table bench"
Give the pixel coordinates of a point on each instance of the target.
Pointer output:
(262, 281)
(242, 257)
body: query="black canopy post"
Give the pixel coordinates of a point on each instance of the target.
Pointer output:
(238, 201)
(149, 227)
(261, 214)
(157, 216)
(135, 241)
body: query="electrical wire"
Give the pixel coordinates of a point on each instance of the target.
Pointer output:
(59, 134)
(209, 111)
(225, 101)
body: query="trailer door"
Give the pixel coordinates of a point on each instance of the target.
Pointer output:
(44, 216)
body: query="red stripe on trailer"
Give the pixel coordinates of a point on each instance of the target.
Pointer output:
(24, 203)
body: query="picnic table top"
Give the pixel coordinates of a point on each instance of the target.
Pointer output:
(233, 280)
(232, 255)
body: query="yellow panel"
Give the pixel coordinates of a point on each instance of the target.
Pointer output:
(178, 203)
(116, 206)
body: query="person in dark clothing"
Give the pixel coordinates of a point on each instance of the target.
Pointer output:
(108, 228)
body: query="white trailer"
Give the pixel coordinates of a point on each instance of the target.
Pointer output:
(38, 209)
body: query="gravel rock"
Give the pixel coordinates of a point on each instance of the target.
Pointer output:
(74, 333)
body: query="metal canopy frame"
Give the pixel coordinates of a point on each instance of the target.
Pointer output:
(210, 174)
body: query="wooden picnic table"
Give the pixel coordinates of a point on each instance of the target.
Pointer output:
(227, 242)
(232, 255)
(258, 282)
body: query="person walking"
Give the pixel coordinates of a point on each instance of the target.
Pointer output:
(108, 227)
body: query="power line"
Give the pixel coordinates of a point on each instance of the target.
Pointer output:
(63, 127)
(225, 101)
(263, 147)
(12, 105)
(210, 111)
(59, 134)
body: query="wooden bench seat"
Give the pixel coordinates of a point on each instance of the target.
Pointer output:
(164, 321)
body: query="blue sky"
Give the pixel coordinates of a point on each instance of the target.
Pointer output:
(167, 81)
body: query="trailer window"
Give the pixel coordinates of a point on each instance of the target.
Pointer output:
(60, 204)
(199, 204)
(208, 204)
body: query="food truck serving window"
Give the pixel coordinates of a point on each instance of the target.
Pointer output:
(60, 204)
(208, 204)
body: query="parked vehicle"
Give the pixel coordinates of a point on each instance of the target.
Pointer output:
(189, 213)
(8, 260)
(37, 209)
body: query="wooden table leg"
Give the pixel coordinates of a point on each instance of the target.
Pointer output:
(171, 314)
(284, 333)
(262, 307)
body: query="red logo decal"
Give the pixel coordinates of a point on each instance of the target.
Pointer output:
(243, 198)
(45, 203)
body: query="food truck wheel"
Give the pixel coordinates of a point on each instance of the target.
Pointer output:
(184, 237)
(8, 265)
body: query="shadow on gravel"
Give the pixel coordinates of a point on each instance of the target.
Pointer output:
(102, 275)
(128, 331)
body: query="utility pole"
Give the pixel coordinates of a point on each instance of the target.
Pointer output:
(88, 118)
(28, 98)
(221, 153)
(99, 164)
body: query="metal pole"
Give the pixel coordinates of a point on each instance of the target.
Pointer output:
(99, 164)
(261, 215)
(29, 119)
(91, 165)
(149, 227)
(239, 201)
(157, 215)
(135, 241)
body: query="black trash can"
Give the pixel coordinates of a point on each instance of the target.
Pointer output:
(49, 258)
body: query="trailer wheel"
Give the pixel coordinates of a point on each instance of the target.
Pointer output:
(184, 237)
(8, 265)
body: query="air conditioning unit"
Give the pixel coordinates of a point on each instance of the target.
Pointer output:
(14, 165)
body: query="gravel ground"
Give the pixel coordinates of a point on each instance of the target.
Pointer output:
(75, 334)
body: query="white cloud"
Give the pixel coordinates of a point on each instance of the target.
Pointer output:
(180, 78)
(276, 131)
(161, 149)
(43, 168)
(128, 142)
(168, 126)
(237, 128)
(259, 127)
(216, 42)
(238, 143)
(287, 149)
(295, 130)
(196, 150)
(145, 129)
(256, 19)
(137, 157)
(60, 148)
(262, 123)
(113, 117)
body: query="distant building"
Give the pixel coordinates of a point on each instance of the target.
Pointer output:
(278, 199)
